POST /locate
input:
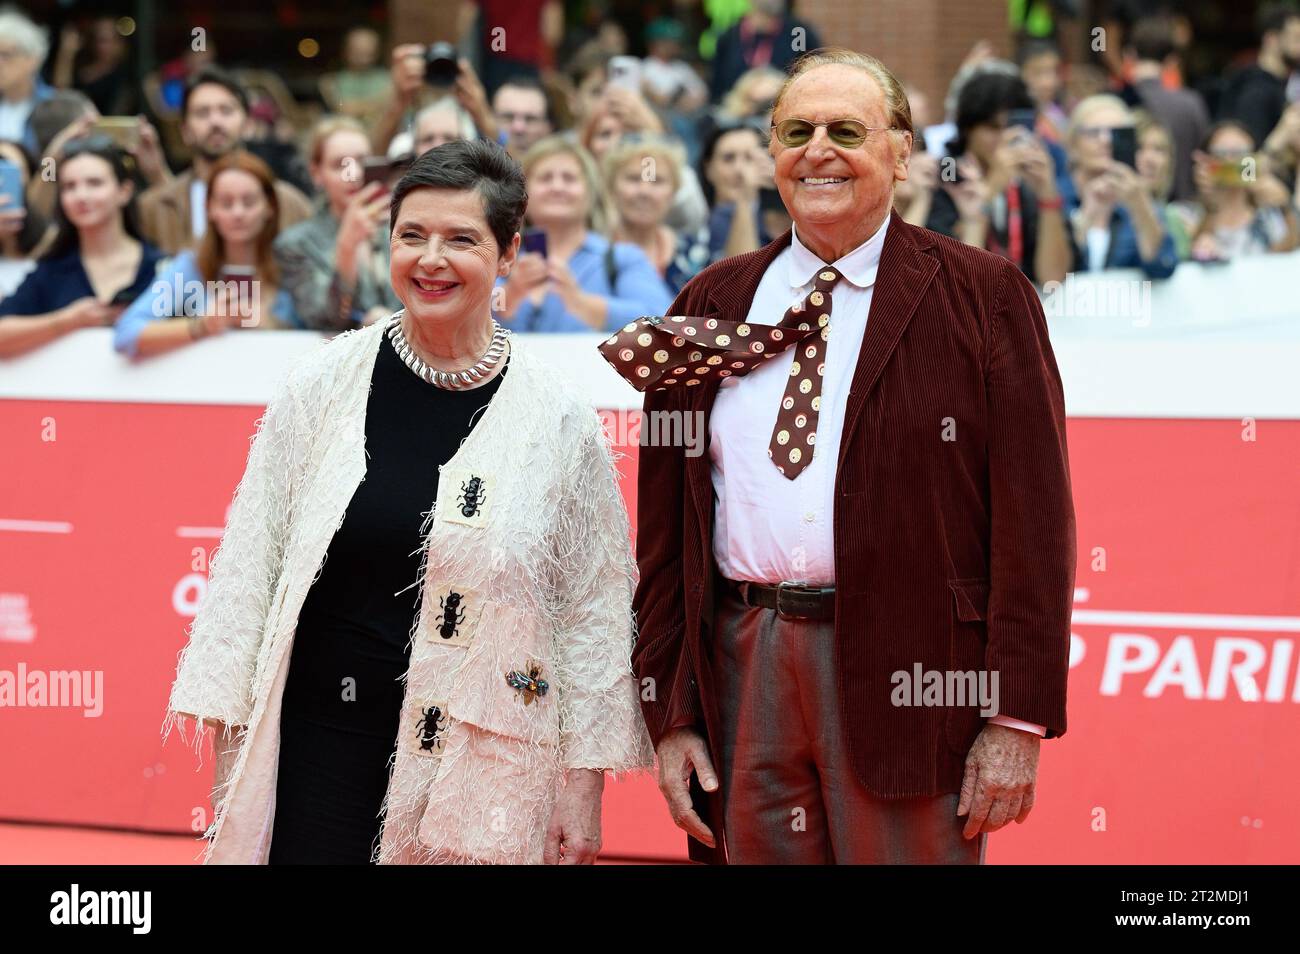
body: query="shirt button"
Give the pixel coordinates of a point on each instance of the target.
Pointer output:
(809, 517)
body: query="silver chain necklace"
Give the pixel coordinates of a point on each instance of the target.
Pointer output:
(449, 380)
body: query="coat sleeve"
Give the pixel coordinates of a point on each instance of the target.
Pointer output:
(600, 719)
(216, 668)
(320, 300)
(1033, 527)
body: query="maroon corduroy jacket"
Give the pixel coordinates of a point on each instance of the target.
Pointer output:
(958, 554)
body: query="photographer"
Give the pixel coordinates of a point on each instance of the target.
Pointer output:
(422, 75)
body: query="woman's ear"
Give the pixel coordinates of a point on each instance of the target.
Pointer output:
(507, 260)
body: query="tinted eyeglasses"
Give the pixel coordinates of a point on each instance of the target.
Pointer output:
(848, 133)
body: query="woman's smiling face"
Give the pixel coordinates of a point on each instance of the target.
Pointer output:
(445, 259)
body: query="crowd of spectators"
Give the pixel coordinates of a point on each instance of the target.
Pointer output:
(120, 196)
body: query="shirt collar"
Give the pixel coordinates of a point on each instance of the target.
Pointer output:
(858, 266)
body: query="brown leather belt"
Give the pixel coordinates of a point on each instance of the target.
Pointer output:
(790, 600)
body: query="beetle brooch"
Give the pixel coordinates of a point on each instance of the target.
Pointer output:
(472, 497)
(432, 722)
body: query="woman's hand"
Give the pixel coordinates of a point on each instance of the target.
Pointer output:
(1130, 190)
(573, 837)
(1003, 163)
(149, 156)
(12, 220)
(90, 312)
(365, 210)
(631, 109)
(1036, 167)
(528, 274)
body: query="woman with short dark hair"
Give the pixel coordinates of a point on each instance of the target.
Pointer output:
(431, 452)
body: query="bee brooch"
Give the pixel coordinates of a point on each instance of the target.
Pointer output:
(529, 682)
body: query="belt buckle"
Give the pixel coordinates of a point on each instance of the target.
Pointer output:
(781, 588)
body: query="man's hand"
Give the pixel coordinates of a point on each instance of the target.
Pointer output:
(573, 837)
(407, 71)
(1001, 772)
(680, 752)
(473, 99)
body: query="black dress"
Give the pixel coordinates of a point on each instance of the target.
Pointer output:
(343, 693)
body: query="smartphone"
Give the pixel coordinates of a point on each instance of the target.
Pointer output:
(1026, 119)
(1123, 145)
(625, 71)
(241, 275)
(123, 130)
(533, 240)
(769, 200)
(385, 170)
(124, 296)
(1227, 172)
(11, 186)
(440, 65)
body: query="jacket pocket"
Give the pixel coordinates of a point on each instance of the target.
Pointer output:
(972, 599)
(494, 790)
(506, 684)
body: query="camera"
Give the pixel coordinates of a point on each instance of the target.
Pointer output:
(440, 64)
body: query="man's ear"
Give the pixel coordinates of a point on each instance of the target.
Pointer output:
(902, 157)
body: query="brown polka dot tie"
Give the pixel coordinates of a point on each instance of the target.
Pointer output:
(794, 435)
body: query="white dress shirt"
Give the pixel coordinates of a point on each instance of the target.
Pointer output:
(198, 207)
(768, 528)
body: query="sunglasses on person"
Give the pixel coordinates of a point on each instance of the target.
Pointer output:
(848, 133)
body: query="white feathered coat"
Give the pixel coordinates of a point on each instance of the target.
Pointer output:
(545, 573)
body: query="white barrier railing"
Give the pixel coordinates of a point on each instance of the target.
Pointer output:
(1219, 341)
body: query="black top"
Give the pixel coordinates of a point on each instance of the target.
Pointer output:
(357, 618)
(56, 282)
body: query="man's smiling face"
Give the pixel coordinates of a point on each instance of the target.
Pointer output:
(823, 183)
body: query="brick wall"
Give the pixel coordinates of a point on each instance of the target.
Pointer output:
(921, 41)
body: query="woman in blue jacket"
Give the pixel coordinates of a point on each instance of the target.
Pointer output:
(1116, 224)
(231, 281)
(584, 282)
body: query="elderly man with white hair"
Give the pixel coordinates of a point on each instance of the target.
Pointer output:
(854, 611)
(23, 48)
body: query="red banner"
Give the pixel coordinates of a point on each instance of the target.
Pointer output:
(1184, 690)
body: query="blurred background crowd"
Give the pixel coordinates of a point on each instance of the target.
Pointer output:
(140, 159)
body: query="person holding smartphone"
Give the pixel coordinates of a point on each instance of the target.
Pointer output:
(231, 281)
(97, 260)
(335, 264)
(20, 227)
(998, 184)
(585, 281)
(1241, 208)
(1115, 223)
